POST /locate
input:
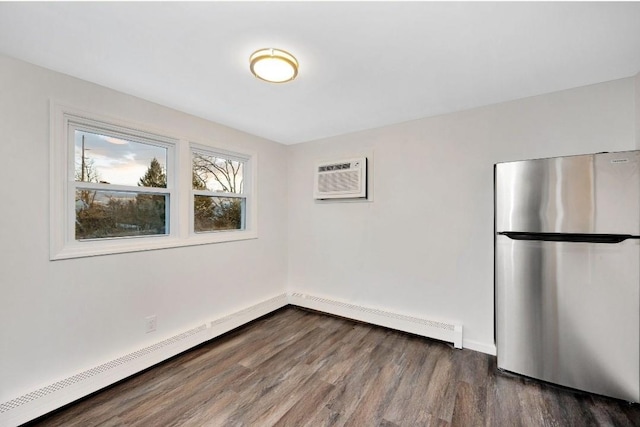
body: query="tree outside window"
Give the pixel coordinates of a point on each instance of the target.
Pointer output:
(119, 206)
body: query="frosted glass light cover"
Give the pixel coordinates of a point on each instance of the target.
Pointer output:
(274, 65)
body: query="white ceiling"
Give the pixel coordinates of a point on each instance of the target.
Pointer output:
(362, 64)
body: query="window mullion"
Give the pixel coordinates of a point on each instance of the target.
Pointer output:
(122, 188)
(219, 194)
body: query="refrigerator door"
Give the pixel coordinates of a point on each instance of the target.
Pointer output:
(569, 313)
(596, 193)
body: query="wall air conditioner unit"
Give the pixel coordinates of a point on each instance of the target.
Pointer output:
(341, 179)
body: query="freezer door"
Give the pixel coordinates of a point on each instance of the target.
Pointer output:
(579, 194)
(569, 313)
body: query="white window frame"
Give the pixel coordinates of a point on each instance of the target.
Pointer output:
(63, 244)
(249, 226)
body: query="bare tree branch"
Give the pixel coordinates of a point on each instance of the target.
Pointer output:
(225, 172)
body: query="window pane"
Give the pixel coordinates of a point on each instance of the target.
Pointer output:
(102, 214)
(110, 160)
(218, 213)
(215, 173)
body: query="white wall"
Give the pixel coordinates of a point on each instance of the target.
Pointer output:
(424, 246)
(637, 106)
(58, 318)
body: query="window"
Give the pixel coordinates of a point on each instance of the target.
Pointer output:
(117, 188)
(219, 199)
(120, 184)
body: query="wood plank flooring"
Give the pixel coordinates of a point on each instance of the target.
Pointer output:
(301, 368)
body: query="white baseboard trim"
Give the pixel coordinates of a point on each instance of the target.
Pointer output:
(480, 346)
(428, 328)
(53, 396)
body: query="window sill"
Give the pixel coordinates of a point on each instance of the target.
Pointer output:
(139, 244)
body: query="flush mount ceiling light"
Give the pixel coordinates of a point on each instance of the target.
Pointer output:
(273, 65)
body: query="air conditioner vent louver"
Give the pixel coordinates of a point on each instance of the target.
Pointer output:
(341, 179)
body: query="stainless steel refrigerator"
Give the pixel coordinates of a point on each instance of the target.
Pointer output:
(568, 271)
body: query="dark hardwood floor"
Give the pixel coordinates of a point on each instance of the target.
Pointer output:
(301, 368)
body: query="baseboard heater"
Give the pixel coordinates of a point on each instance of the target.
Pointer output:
(67, 390)
(428, 328)
(53, 396)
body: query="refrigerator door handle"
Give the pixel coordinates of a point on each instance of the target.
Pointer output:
(568, 237)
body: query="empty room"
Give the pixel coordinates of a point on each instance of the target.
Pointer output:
(320, 213)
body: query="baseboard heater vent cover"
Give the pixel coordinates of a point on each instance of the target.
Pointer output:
(428, 328)
(53, 396)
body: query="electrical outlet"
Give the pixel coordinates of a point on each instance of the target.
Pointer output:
(151, 322)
